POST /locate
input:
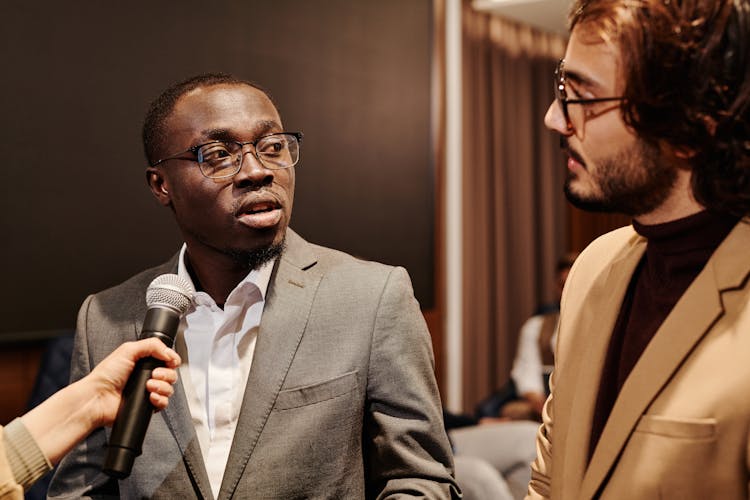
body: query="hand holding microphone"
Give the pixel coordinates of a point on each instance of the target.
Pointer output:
(168, 297)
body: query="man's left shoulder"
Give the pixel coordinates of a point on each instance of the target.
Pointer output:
(332, 259)
(329, 260)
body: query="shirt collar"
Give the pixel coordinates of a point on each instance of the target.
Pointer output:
(259, 277)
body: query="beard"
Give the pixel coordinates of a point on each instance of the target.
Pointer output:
(257, 257)
(633, 181)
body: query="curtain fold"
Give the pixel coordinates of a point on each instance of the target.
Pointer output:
(514, 212)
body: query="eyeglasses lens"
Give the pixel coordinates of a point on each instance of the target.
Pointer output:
(224, 159)
(561, 95)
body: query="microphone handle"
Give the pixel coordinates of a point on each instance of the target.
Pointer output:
(128, 433)
(136, 409)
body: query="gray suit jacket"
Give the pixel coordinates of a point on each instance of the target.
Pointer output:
(340, 402)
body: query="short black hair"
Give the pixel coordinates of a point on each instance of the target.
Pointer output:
(154, 133)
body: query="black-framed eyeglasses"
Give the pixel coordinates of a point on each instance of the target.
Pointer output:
(221, 159)
(577, 117)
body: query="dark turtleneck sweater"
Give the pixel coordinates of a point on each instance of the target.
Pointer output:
(676, 252)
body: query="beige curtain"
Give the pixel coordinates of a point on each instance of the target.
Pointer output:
(514, 209)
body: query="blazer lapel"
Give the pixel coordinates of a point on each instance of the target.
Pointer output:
(598, 316)
(177, 417)
(285, 314)
(691, 318)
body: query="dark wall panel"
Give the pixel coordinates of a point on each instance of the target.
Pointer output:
(75, 212)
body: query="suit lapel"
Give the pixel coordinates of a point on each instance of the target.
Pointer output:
(177, 416)
(285, 314)
(691, 318)
(598, 315)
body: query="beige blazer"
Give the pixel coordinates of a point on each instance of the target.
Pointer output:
(679, 428)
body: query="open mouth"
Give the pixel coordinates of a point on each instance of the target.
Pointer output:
(259, 208)
(260, 214)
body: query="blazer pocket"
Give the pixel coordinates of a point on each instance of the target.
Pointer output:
(316, 393)
(676, 427)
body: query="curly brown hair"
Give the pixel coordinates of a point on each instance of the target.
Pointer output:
(687, 83)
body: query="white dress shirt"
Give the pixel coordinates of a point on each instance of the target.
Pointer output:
(217, 346)
(528, 371)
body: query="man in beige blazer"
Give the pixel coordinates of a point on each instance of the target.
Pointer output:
(330, 393)
(651, 389)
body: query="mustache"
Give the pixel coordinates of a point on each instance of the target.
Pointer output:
(565, 147)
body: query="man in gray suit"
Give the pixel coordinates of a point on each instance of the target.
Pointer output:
(307, 373)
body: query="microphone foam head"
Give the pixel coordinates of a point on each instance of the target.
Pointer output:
(169, 290)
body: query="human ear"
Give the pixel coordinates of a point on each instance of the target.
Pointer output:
(684, 153)
(680, 155)
(158, 185)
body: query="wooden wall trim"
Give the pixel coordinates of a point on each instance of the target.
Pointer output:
(435, 317)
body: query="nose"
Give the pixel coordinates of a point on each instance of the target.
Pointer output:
(252, 171)
(555, 120)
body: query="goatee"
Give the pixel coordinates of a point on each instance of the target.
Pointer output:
(258, 257)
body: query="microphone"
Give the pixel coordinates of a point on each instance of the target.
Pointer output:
(167, 297)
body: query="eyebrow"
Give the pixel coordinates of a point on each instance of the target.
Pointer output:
(222, 134)
(582, 80)
(578, 78)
